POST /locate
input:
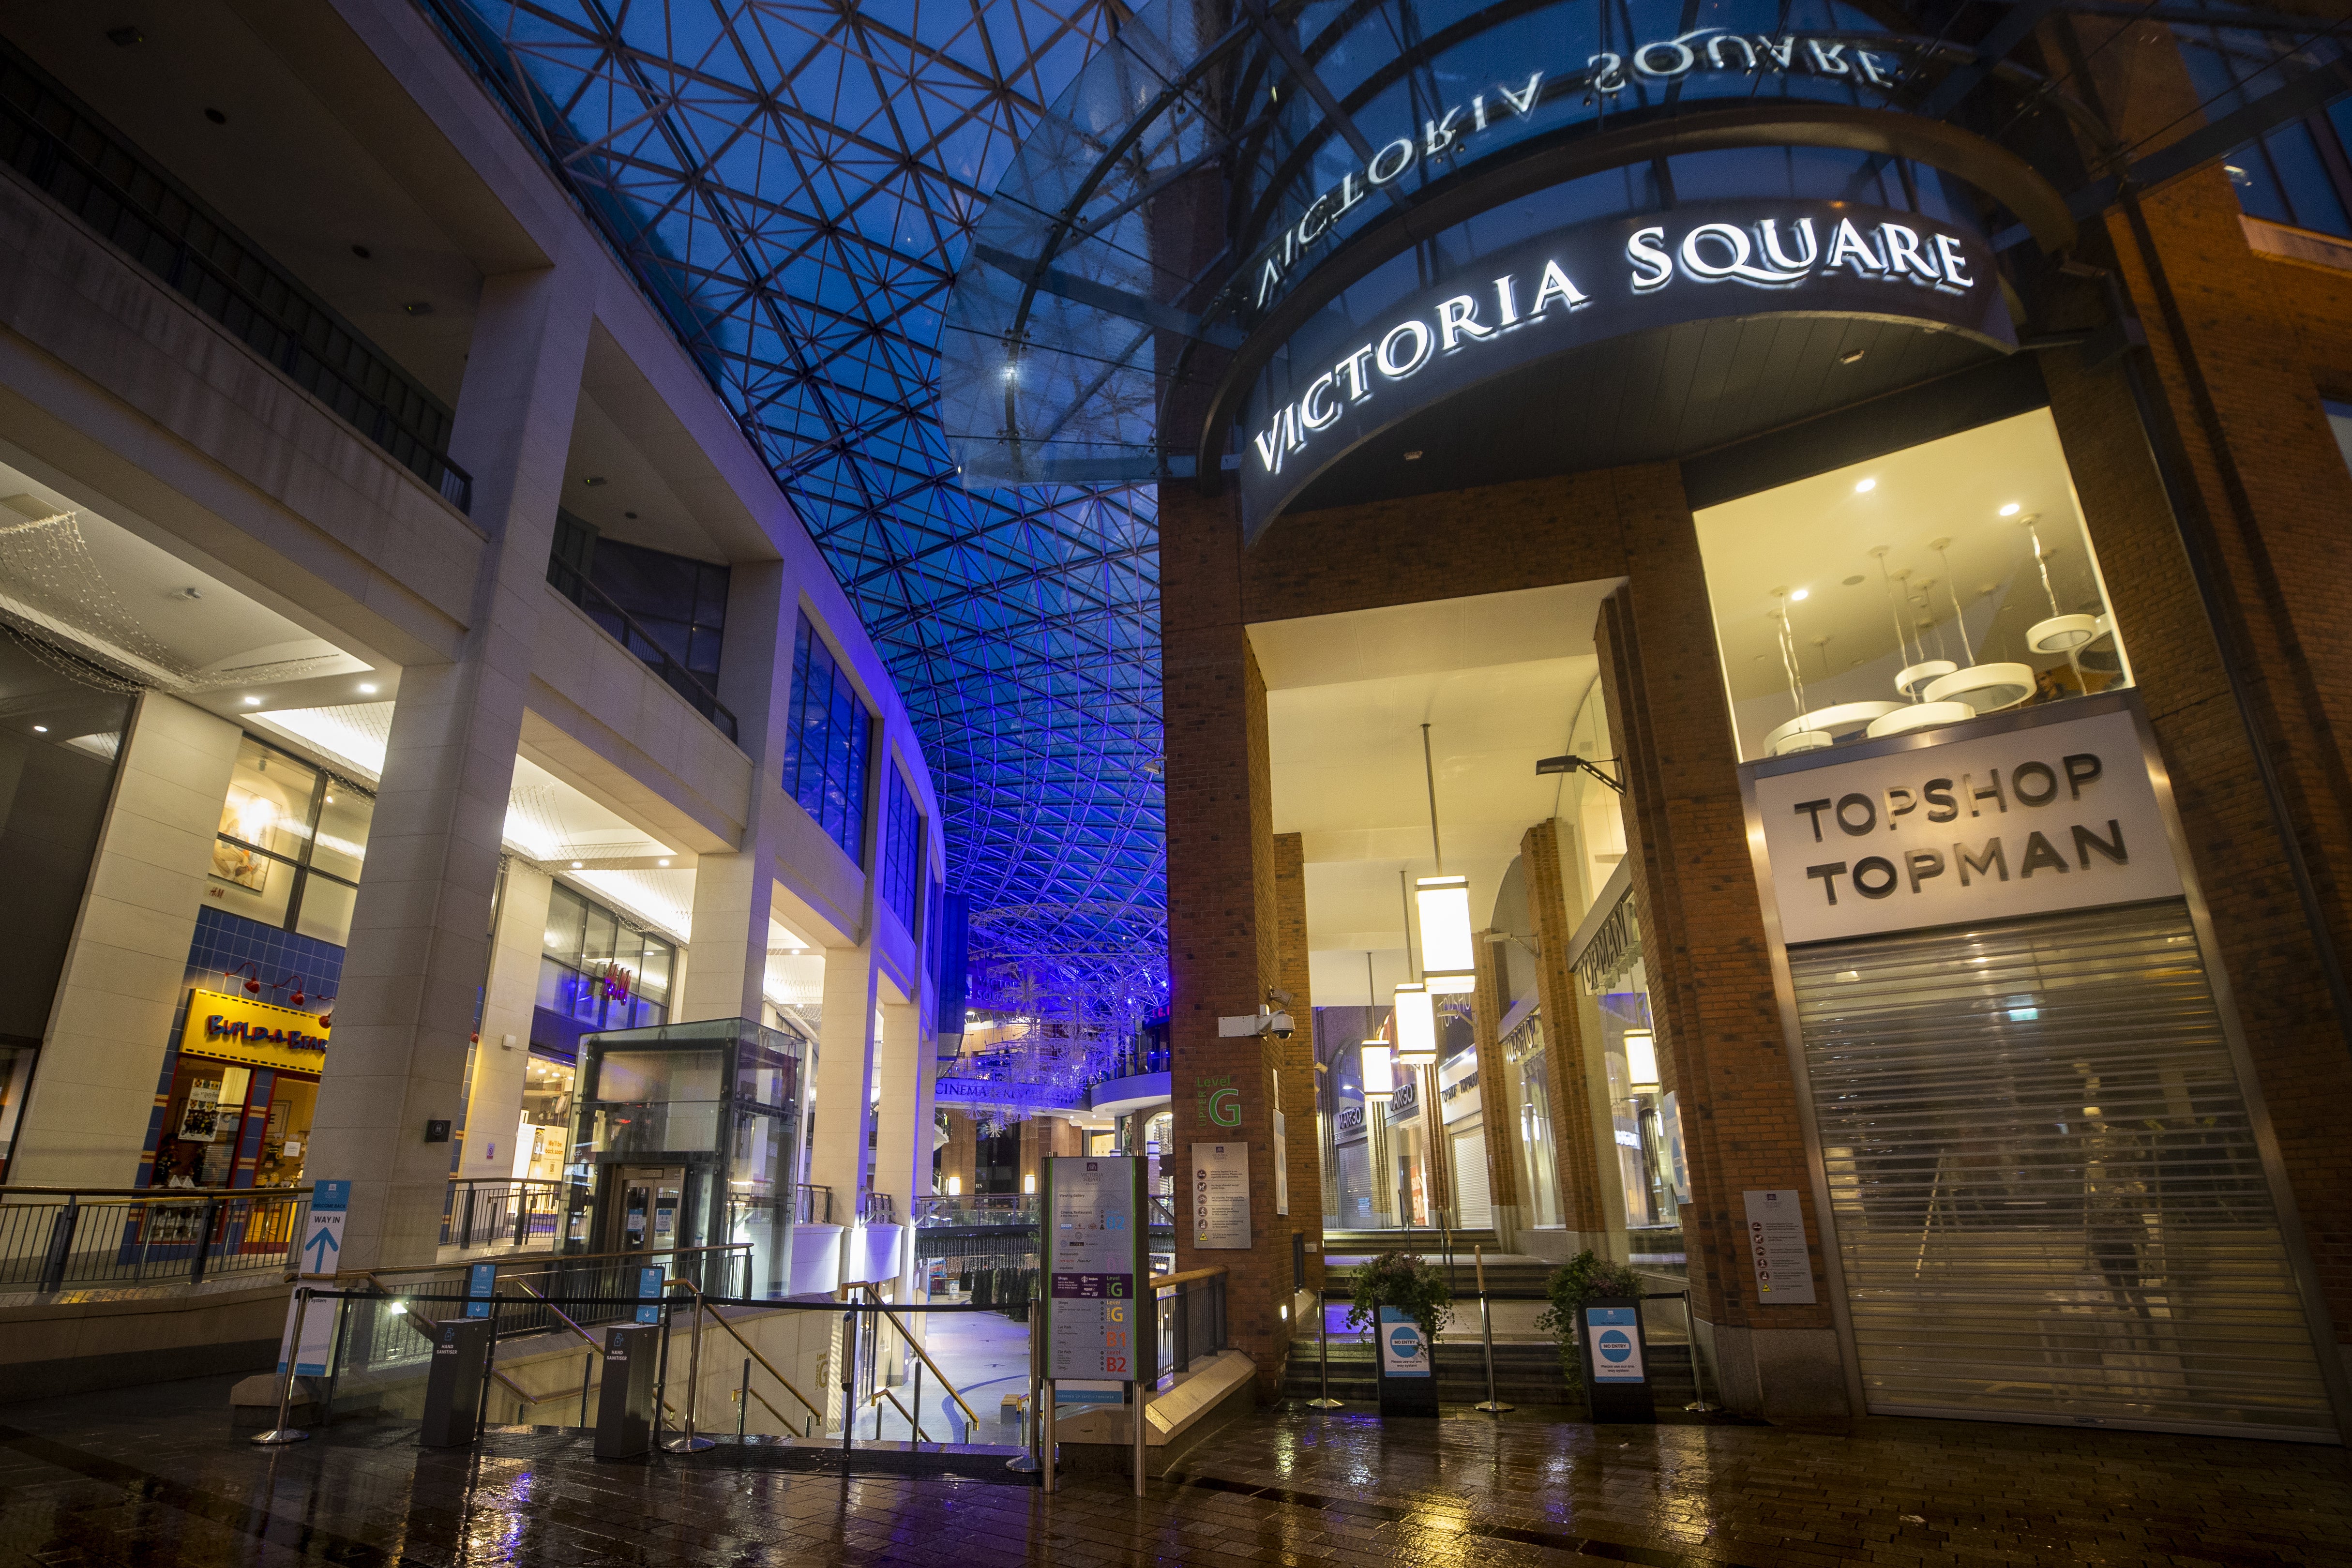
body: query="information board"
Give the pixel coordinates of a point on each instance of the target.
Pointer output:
(1094, 1264)
(322, 1232)
(1405, 1353)
(1221, 1196)
(1776, 1244)
(1614, 1334)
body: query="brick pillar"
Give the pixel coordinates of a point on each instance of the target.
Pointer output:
(1720, 1044)
(1499, 1111)
(1223, 952)
(1302, 1143)
(1583, 1210)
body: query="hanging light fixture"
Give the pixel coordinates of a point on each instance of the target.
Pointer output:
(1416, 1027)
(2061, 633)
(1443, 905)
(1378, 1067)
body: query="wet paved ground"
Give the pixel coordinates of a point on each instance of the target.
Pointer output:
(152, 1478)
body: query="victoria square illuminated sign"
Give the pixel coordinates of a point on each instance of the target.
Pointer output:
(1337, 383)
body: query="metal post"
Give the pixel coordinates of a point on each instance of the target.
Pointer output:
(490, 1368)
(689, 1443)
(848, 1379)
(1486, 1328)
(282, 1433)
(917, 1435)
(587, 1370)
(1046, 1438)
(743, 1400)
(1698, 1374)
(1143, 1433)
(1323, 1353)
(1027, 1462)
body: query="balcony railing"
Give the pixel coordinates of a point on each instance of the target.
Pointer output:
(573, 585)
(58, 1238)
(506, 1212)
(66, 151)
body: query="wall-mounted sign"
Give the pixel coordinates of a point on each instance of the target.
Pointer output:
(988, 1093)
(2037, 819)
(1776, 1247)
(257, 1034)
(1341, 379)
(1218, 1100)
(1221, 1196)
(1093, 1266)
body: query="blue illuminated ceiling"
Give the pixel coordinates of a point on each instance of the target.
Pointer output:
(793, 185)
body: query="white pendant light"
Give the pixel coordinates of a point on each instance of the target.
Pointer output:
(1378, 1069)
(1915, 678)
(1416, 1028)
(1836, 722)
(1442, 907)
(1641, 1058)
(2062, 634)
(1910, 716)
(1985, 688)
(1797, 740)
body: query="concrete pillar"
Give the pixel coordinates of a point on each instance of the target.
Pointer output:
(734, 894)
(1499, 1107)
(959, 1161)
(420, 927)
(902, 1118)
(94, 1089)
(494, 1100)
(1302, 1143)
(843, 1113)
(1545, 853)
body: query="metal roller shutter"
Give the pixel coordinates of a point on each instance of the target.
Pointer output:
(2048, 1197)
(1471, 1210)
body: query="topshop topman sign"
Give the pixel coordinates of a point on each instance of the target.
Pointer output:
(1339, 384)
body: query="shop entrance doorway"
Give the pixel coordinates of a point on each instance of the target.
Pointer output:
(649, 1215)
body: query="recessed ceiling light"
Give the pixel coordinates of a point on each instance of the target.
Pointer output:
(1852, 356)
(368, 687)
(2012, 510)
(1800, 593)
(253, 702)
(575, 865)
(665, 862)
(40, 728)
(1413, 457)
(1863, 487)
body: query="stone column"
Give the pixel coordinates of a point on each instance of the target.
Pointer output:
(494, 1102)
(1222, 947)
(95, 1085)
(1302, 1145)
(1718, 1025)
(420, 927)
(1497, 1109)
(840, 1157)
(902, 1119)
(1544, 854)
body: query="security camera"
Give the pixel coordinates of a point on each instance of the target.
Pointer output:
(1279, 1025)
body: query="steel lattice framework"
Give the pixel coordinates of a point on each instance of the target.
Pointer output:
(794, 184)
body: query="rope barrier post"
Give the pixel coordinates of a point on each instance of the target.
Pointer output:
(848, 1379)
(1699, 1373)
(1143, 1433)
(1046, 1439)
(1323, 1352)
(688, 1442)
(743, 1400)
(587, 1370)
(1493, 1405)
(281, 1432)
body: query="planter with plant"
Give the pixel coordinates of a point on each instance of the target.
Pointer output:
(1586, 1277)
(1421, 1291)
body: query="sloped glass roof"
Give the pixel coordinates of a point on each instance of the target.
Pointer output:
(795, 186)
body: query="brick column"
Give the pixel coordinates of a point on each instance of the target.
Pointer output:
(1719, 1039)
(1583, 1210)
(1303, 1142)
(1497, 1109)
(1223, 952)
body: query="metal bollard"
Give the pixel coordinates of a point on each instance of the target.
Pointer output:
(1323, 1350)
(689, 1443)
(587, 1370)
(743, 1400)
(281, 1432)
(1698, 1371)
(1486, 1328)
(1026, 1463)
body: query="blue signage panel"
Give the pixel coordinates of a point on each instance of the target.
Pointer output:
(329, 1197)
(481, 1285)
(1404, 1351)
(1615, 1333)
(649, 1289)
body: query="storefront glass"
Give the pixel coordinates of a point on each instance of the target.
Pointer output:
(292, 840)
(601, 971)
(229, 1124)
(544, 1136)
(1523, 1052)
(1615, 984)
(1913, 591)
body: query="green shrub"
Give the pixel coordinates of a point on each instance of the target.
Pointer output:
(1403, 1280)
(1572, 1285)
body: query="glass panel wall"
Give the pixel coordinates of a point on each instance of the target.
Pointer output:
(1919, 589)
(291, 844)
(598, 969)
(825, 743)
(1525, 1055)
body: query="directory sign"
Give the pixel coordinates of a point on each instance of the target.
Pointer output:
(1220, 1195)
(481, 1287)
(649, 1291)
(1095, 1264)
(1615, 1336)
(1776, 1245)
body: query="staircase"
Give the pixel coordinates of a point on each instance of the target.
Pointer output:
(1525, 1374)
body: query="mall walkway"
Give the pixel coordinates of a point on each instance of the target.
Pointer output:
(153, 1477)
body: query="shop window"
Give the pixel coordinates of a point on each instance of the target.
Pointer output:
(1922, 588)
(543, 1135)
(1524, 1053)
(825, 743)
(599, 969)
(902, 851)
(292, 843)
(2301, 173)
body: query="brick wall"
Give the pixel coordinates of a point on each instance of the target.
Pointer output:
(1302, 1145)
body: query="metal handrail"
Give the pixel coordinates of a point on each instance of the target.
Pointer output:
(568, 1259)
(972, 1420)
(1164, 1281)
(172, 1195)
(814, 1408)
(565, 1318)
(429, 1327)
(913, 1423)
(641, 644)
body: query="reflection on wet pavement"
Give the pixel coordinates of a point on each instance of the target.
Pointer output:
(153, 1477)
